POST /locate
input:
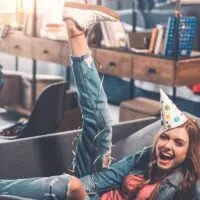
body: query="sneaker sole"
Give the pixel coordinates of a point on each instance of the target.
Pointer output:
(93, 7)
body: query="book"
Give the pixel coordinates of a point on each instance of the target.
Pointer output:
(186, 32)
(114, 34)
(154, 34)
(159, 39)
(105, 40)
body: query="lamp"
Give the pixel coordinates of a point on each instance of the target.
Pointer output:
(17, 21)
(34, 18)
(19, 11)
(31, 20)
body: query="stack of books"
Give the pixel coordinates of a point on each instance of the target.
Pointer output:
(114, 34)
(157, 39)
(163, 37)
(162, 40)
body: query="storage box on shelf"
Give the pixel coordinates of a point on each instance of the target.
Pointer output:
(138, 108)
(139, 40)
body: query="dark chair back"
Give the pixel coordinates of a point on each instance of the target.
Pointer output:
(47, 112)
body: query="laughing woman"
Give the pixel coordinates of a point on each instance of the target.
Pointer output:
(168, 170)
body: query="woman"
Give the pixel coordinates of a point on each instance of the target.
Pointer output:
(168, 170)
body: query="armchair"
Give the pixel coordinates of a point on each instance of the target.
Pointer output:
(55, 110)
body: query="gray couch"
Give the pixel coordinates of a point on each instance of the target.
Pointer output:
(52, 154)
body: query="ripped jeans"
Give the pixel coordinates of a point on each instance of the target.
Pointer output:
(93, 146)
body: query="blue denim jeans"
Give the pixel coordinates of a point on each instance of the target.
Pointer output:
(36, 188)
(94, 143)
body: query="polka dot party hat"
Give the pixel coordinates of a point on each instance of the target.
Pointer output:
(171, 116)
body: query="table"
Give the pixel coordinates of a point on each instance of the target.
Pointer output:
(118, 62)
(149, 67)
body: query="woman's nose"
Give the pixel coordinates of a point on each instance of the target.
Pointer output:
(168, 145)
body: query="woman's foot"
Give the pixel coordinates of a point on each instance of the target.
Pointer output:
(85, 15)
(73, 29)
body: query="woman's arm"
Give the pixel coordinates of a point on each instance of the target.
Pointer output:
(113, 176)
(108, 178)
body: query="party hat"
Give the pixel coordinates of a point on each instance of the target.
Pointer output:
(171, 116)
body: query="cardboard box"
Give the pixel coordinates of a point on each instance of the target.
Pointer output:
(139, 40)
(11, 92)
(138, 108)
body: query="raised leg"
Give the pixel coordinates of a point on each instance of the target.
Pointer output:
(94, 143)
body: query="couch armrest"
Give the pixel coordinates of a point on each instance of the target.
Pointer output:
(44, 155)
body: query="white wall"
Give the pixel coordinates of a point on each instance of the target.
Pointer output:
(25, 65)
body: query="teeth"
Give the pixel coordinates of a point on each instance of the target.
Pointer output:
(166, 155)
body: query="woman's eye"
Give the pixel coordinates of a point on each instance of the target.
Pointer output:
(163, 137)
(179, 143)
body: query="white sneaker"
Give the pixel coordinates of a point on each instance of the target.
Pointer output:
(87, 15)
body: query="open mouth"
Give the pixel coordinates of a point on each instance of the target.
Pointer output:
(165, 158)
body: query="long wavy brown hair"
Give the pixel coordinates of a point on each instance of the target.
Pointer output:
(190, 167)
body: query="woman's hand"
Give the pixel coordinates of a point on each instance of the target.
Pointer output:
(75, 190)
